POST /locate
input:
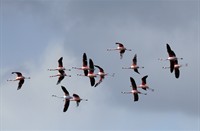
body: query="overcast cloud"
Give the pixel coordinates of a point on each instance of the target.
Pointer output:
(35, 34)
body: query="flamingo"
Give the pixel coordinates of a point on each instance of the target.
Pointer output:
(134, 90)
(144, 85)
(91, 73)
(60, 66)
(134, 65)
(84, 67)
(19, 78)
(121, 49)
(176, 68)
(102, 75)
(61, 75)
(172, 57)
(69, 98)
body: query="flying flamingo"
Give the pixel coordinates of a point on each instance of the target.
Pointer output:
(60, 66)
(121, 49)
(69, 98)
(84, 67)
(91, 73)
(61, 75)
(172, 57)
(176, 68)
(19, 78)
(144, 85)
(134, 65)
(134, 90)
(102, 75)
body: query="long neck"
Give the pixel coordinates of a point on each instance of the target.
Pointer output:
(126, 92)
(57, 96)
(126, 67)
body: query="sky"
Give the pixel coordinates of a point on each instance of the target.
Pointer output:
(36, 33)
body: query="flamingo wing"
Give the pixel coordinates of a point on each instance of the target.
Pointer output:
(133, 84)
(21, 82)
(84, 59)
(92, 81)
(136, 70)
(119, 44)
(170, 52)
(19, 74)
(136, 97)
(135, 60)
(177, 71)
(100, 69)
(78, 99)
(85, 72)
(60, 78)
(144, 80)
(67, 102)
(91, 65)
(171, 66)
(65, 91)
(60, 63)
(100, 80)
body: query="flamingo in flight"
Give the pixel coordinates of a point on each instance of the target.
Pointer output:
(172, 57)
(60, 66)
(134, 90)
(176, 68)
(61, 75)
(84, 67)
(102, 75)
(91, 73)
(134, 65)
(121, 49)
(67, 98)
(144, 85)
(19, 78)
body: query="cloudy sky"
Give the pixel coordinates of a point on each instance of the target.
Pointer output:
(36, 33)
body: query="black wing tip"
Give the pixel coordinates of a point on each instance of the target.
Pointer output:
(145, 76)
(60, 58)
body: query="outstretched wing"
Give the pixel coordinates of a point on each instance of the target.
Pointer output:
(136, 70)
(171, 66)
(144, 80)
(77, 99)
(170, 52)
(119, 44)
(177, 71)
(133, 84)
(65, 91)
(21, 82)
(91, 65)
(136, 97)
(60, 78)
(84, 59)
(92, 81)
(85, 72)
(60, 63)
(135, 60)
(66, 105)
(100, 69)
(19, 74)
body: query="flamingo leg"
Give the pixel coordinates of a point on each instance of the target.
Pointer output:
(123, 92)
(54, 76)
(11, 80)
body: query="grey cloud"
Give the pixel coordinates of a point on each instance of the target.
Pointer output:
(92, 27)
